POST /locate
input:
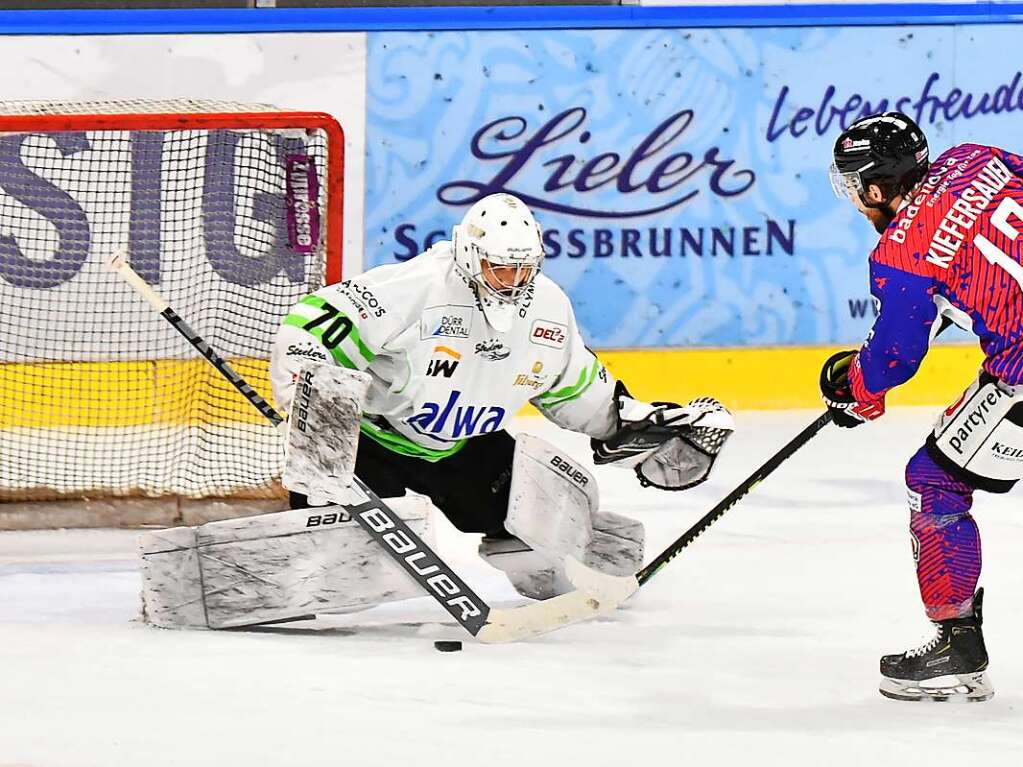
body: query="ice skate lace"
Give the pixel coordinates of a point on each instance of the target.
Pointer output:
(925, 648)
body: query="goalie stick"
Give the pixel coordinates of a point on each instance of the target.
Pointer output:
(595, 594)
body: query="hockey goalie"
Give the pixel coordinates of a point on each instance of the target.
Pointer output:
(426, 363)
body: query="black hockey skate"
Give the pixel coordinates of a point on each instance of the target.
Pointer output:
(950, 667)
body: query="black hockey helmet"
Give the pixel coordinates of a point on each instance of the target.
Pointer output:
(888, 150)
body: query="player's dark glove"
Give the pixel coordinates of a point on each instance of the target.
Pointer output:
(837, 391)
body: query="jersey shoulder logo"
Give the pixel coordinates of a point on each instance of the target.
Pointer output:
(548, 333)
(306, 350)
(362, 299)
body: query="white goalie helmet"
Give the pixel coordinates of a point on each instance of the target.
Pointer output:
(499, 250)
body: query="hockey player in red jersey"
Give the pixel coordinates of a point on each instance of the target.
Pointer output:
(949, 251)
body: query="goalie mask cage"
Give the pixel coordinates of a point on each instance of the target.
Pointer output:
(232, 211)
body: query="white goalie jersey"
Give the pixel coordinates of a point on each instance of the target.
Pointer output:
(440, 373)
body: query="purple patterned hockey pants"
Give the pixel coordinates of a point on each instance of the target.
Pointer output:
(946, 542)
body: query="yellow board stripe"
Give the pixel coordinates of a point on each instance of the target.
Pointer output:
(776, 378)
(104, 394)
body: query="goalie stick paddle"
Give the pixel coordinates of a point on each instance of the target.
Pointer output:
(595, 594)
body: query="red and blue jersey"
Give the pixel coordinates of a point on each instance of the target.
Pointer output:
(953, 249)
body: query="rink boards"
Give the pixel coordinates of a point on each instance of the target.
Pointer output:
(119, 394)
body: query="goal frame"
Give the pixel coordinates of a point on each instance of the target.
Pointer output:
(192, 116)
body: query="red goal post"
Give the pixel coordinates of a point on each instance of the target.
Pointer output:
(234, 210)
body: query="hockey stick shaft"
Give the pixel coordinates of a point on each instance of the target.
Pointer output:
(385, 527)
(733, 498)
(120, 265)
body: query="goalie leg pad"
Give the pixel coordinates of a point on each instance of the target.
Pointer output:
(323, 432)
(533, 573)
(272, 567)
(617, 545)
(553, 512)
(979, 439)
(616, 548)
(552, 499)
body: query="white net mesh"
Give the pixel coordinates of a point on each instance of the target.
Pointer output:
(98, 395)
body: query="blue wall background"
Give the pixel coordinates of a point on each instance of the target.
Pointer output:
(681, 175)
(676, 156)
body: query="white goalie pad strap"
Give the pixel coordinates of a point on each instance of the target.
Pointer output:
(272, 567)
(552, 499)
(323, 431)
(983, 432)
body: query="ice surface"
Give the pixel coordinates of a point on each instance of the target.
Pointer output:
(758, 645)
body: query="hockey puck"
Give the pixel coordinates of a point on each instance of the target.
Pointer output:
(447, 646)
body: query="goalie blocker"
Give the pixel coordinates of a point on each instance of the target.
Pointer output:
(323, 434)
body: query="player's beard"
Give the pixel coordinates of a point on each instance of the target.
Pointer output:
(880, 217)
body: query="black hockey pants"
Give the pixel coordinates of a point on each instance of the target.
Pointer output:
(471, 487)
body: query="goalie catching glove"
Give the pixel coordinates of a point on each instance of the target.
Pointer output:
(670, 446)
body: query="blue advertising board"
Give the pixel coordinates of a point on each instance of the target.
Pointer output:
(680, 175)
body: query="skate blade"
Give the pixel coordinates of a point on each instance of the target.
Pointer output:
(952, 688)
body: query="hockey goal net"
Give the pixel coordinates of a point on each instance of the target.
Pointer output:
(234, 211)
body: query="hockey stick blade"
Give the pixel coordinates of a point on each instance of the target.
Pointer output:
(388, 530)
(596, 594)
